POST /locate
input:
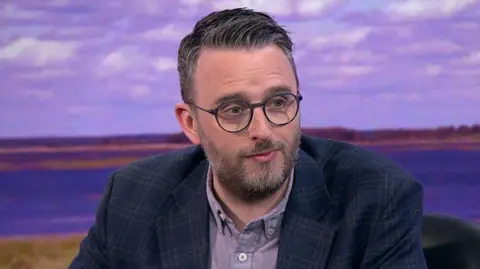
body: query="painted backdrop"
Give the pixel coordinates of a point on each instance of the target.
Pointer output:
(88, 86)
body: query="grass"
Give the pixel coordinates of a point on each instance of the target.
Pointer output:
(46, 252)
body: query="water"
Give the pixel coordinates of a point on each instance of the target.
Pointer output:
(45, 202)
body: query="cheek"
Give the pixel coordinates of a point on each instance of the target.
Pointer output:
(208, 129)
(290, 133)
(228, 145)
(222, 141)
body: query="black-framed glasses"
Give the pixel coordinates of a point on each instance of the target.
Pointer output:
(235, 116)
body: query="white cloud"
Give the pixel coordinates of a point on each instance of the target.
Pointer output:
(351, 56)
(344, 39)
(342, 70)
(134, 64)
(433, 70)
(120, 60)
(472, 59)
(434, 46)
(191, 2)
(115, 61)
(315, 7)
(355, 70)
(395, 97)
(87, 109)
(139, 91)
(428, 8)
(145, 77)
(171, 32)
(38, 52)
(163, 64)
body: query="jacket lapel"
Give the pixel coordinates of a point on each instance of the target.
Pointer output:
(308, 229)
(182, 233)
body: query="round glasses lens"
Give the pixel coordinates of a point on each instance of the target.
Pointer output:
(233, 116)
(281, 109)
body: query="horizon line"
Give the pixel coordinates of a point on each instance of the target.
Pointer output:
(3, 138)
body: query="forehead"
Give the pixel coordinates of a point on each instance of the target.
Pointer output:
(252, 73)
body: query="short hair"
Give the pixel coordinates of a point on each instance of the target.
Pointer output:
(238, 28)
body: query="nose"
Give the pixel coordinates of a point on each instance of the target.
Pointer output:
(260, 128)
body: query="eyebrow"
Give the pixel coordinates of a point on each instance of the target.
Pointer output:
(241, 96)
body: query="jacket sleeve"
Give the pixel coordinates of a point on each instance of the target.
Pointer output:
(92, 252)
(395, 238)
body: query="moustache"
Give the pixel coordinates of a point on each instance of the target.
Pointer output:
(264, 146)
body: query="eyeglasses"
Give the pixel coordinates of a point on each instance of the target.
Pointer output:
(235, 116)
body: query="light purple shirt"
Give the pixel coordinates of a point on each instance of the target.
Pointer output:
(254, 248)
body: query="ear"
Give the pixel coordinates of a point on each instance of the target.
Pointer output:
(187, 122)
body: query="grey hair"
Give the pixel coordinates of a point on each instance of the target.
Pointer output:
(238, 28)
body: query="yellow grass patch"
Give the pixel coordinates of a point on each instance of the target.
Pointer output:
(46, 252)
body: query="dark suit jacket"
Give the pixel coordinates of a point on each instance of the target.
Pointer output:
(349, 208)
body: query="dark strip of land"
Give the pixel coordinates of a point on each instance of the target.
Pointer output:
(440, 134)
(111, 152)
(78, 157)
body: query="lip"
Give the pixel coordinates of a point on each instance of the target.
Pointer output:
(264, 156)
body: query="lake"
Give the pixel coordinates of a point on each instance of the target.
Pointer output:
(64, 201)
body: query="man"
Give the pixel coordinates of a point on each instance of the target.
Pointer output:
(254, 192)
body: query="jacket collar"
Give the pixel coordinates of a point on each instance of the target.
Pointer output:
(184, 229)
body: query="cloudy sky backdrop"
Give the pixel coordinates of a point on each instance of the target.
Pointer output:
(108, 67)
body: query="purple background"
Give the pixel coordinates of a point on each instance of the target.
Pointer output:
(70, 68)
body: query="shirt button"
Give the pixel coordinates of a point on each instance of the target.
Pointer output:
(242, 257)
(270, 231)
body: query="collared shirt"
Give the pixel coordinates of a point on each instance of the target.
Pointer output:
(256, 247)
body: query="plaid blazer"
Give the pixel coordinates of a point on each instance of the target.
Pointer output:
(349, 208)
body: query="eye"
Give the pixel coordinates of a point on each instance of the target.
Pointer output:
(278, 102)
(233, 109)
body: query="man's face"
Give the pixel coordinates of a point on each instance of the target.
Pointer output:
(252, 76)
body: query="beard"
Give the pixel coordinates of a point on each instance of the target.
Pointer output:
(249, 181)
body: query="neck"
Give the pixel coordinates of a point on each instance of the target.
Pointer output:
(242, 212)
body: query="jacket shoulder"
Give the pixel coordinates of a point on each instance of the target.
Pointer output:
(169, 165)
(363, 183)
(151, 179)
(345, 164)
